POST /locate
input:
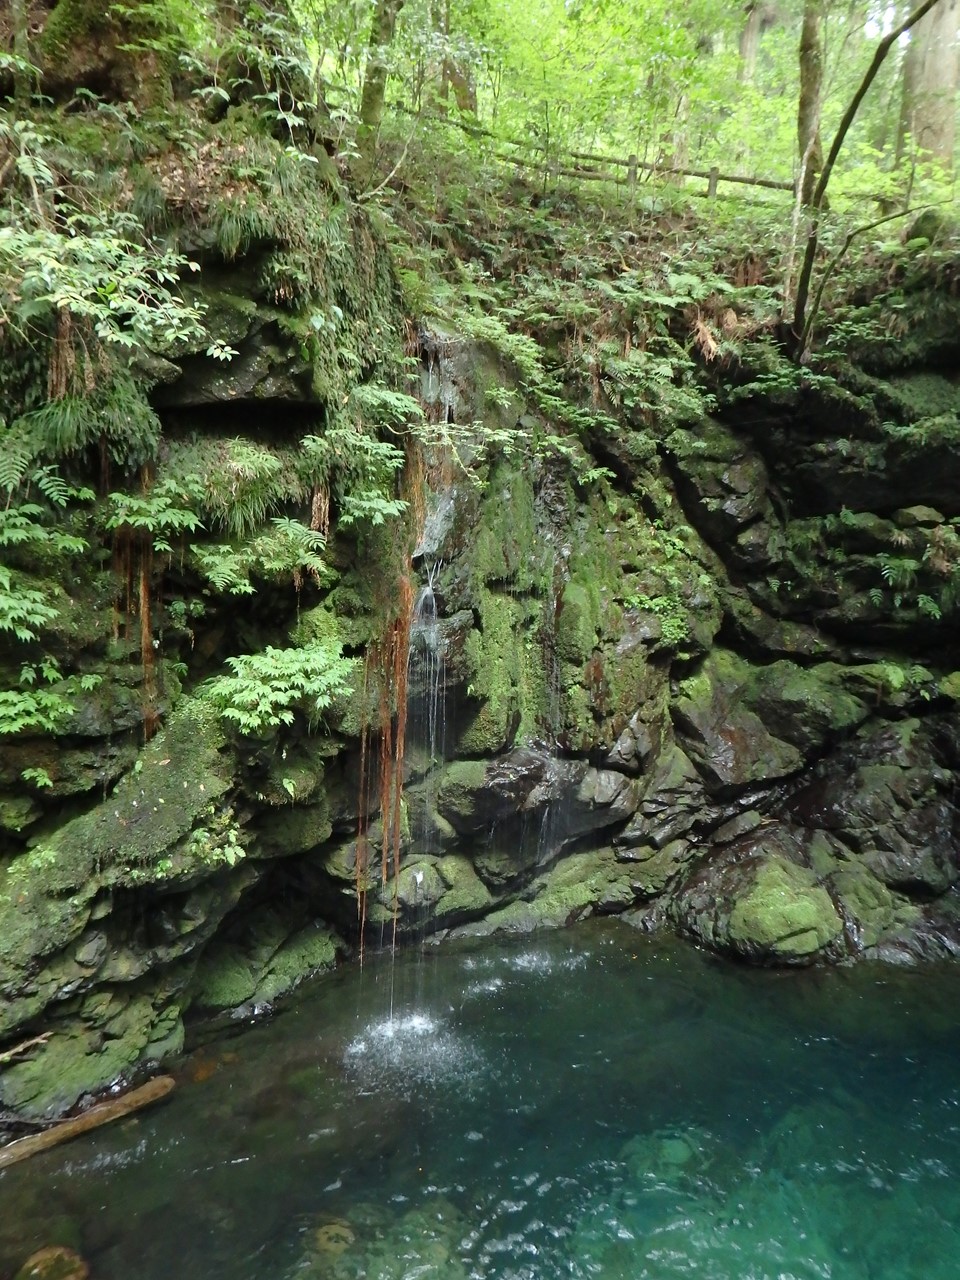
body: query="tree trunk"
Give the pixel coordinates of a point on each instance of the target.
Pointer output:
(374, 90)
(798, 338)
(21, 49)
(811, 94)
(759, 16)
(931, 72)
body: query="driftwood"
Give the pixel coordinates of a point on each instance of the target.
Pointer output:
(102, 1113)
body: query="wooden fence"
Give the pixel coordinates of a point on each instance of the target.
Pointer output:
(632, 164)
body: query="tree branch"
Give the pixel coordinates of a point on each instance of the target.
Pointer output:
(800, 325)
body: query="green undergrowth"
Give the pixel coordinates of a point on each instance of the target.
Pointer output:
(645, 309)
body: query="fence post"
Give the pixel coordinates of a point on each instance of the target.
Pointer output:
(631, 176)
(712, 183)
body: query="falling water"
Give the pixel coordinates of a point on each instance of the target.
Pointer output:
(552, 823)
(425, 681)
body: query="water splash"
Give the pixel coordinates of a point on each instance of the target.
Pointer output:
(411, 1052)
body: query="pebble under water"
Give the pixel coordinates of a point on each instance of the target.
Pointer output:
(590, 1103)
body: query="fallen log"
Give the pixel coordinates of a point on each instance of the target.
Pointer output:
(101, 1114)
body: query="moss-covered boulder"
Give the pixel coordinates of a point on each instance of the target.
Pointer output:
(729, 743)
(783, 913)
(758, 901)
(96, 1039)
(889, 797)
(576, 887)
(254, 965)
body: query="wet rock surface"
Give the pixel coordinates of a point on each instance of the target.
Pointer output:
(718, 686)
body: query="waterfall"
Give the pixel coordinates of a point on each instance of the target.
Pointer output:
(426, 679)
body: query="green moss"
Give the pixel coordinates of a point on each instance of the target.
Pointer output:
(115, 1031)
(785, 913)
(73, 22)
(495, 655)
(505, 546)
(926, 395)
(296, 828)
(139, 833)
(17, 812)
(461, 780)
(464, 893)
(868, 902)
(577, 620)
(572, 889)
(651, 870)
(321, 624)
(268, 962)
(227, 317)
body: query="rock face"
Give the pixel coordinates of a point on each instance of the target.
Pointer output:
(720, 693)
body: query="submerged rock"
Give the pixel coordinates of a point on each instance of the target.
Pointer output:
(54, 1263)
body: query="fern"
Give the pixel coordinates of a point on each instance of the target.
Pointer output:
(155, 512)
(899, 572)
(240, 221)
(116, 414)
(288, 548)
(264, 690)
(16, 455)
(34, 707)
(379, 406)
(517, 348)
(23, 610)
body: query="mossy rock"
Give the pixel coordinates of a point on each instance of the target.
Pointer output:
(652, 869)
(806, 706)
(730, 745)
(504, 538)
(271, 958)
(576, 887)
(784, 914)
(138, 836)
(84, 43)
(464, 894)
(110, 1032)
(866, 901)
(495, 654)
(295, 829)
(577, 617)
(17, 812)
(457, 799)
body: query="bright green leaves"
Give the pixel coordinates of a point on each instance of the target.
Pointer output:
(285, 549)
(23, 609)
(91, 266)
(156, 513)
(266, 689)
(115, 416)
(34, 526)
(359, 472)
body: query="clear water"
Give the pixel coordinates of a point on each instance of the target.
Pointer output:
(583, 1104)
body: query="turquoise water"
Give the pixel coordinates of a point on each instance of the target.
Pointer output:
(583, 1104)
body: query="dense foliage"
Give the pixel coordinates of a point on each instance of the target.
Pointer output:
(143, 142)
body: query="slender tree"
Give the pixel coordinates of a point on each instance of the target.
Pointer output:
(811, 99)
(800, 329)
(372, 96)
(758, 16)
(21, 48)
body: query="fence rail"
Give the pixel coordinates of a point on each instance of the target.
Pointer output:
(632, 164)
